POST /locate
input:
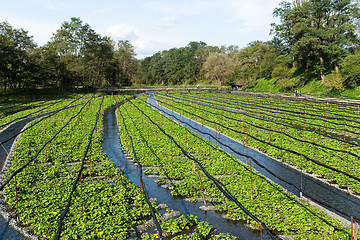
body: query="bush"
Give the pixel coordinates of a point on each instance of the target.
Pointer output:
(350, 69)
(334, 82)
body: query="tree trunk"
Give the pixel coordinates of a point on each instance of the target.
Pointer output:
(321, 70)
(336, 67)
(322, 77)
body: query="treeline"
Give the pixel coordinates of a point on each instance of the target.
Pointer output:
(315, 40)
(75, 56)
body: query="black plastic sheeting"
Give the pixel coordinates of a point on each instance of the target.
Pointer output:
(334, 197)
(288, 150)
(7, 137)
(41, 149)
(233, 110)
(274, 174)
(33, 117)
(146, 194)
(222, 188)
(112, 149)
(66, 210)
(316, 117)
(7, 232)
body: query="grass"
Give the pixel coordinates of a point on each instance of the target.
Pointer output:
(266, 85)
(312, 88)
(352, 93)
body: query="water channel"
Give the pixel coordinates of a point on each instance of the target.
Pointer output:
(6, 231)
(319, 189)
(112, 148)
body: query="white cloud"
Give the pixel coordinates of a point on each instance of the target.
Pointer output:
(167, 22)
(122, 31)
(152, 23)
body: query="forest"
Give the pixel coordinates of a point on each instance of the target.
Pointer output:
(312, 41)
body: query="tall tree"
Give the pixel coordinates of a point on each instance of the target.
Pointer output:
(317, 34)
(128, 64)
(80, 50)
(218, 66)
(98, 60)
(255, 61)
(66, 43)
(176, 65)
(15, 50)
(194, 61)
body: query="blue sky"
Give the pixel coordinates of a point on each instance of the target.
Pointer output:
(150, 25)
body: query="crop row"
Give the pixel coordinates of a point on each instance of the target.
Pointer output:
(272, 132)
(46, 107)
(174, 226)
(279, 211)
(307, 117)
(11, 107)
(104, 205)
(301, 104)
(294, 122)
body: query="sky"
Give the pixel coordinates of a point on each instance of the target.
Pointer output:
(150, 25)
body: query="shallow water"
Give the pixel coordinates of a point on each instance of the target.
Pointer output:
(6, 231)
(320, 190)
(112, 148)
